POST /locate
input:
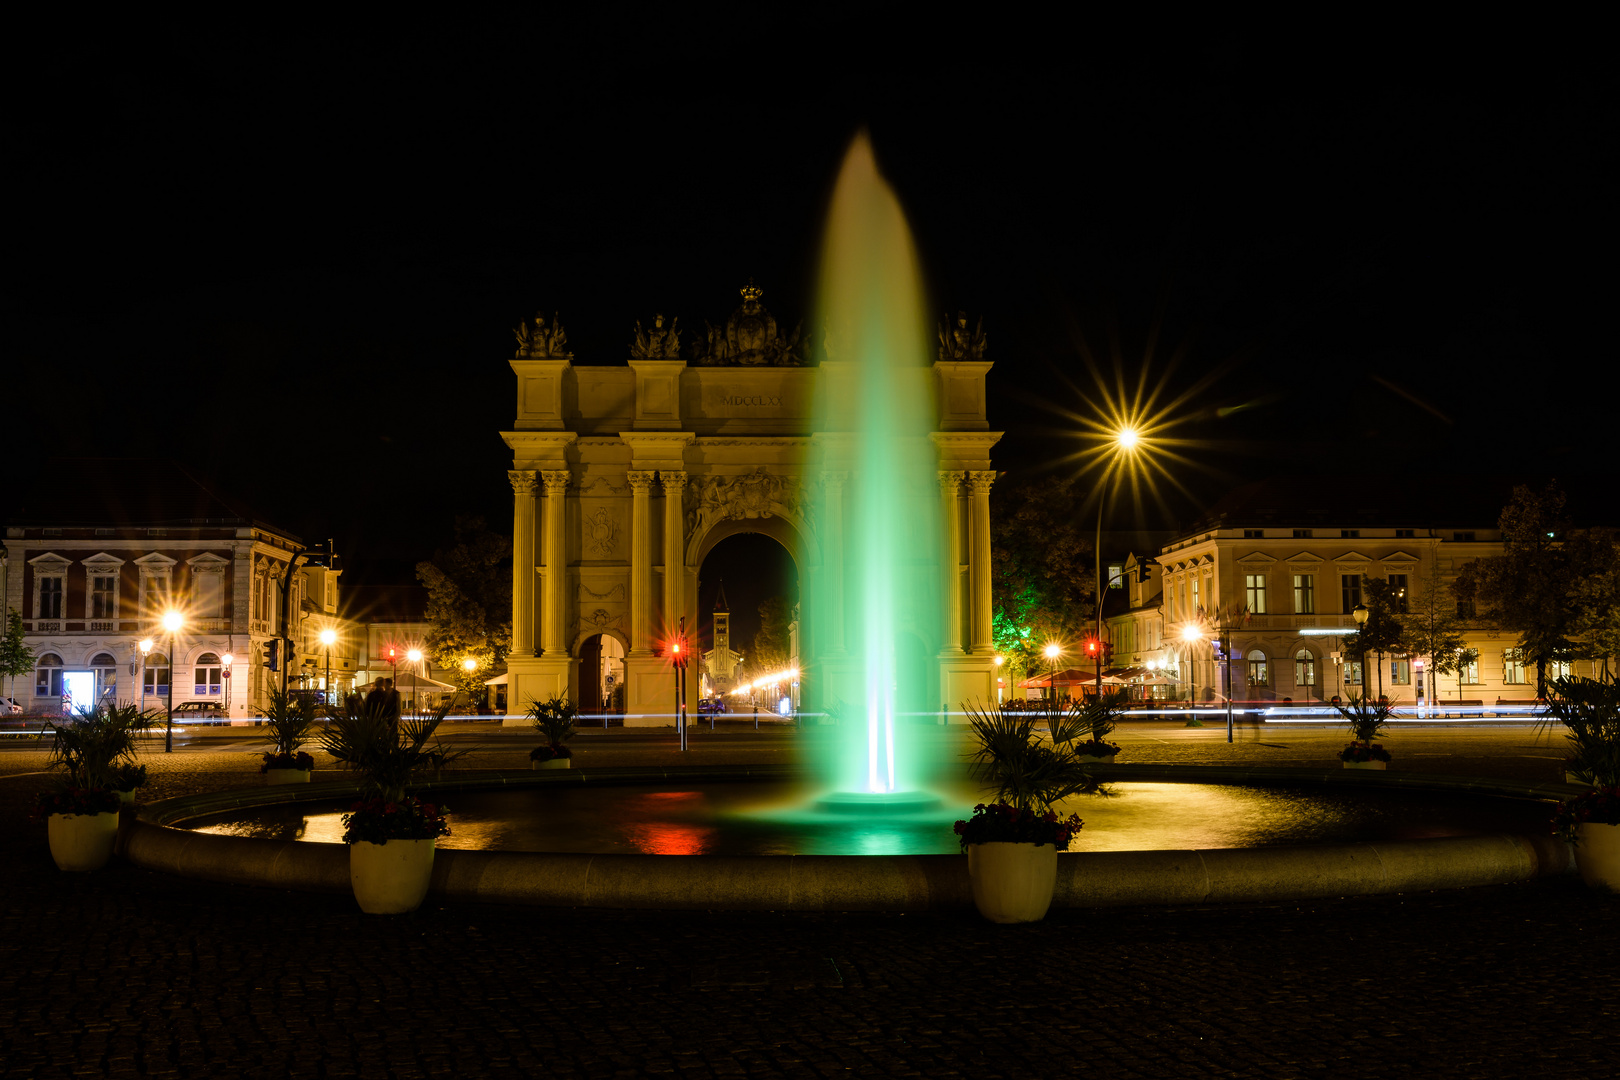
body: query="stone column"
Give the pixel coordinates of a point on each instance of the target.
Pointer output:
(674, 547)
(523, 561)
(832, 486)
(979, 560)
(640, 563)
(554, 620)
(950, 492)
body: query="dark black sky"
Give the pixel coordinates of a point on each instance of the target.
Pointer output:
(291, 256)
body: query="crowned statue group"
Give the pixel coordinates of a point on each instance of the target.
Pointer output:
(750, 337)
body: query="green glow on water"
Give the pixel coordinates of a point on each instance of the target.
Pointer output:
(876, 597)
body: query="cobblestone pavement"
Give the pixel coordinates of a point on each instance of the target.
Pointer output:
(129, 973)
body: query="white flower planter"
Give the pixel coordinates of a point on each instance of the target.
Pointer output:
(390, 878)
(81, 842)
(1379, 765)
(1097, 759)
(552, 763)
(127, 797)
(1012, 883)
(1597, 855)
(286, 776)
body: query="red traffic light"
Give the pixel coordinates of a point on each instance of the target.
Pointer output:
(676, 646)
(1091, 648)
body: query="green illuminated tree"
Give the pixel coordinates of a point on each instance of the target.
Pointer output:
(1041, 571)
(16, 658)
(469, 604)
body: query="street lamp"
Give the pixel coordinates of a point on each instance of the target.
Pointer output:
(1053, 650)
(1126, 440)
(226, 661)
(172, 621)
(1360, 613)
(146, 649)
(415, 657)
(327, 637)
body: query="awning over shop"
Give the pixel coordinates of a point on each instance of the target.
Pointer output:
(1070, 677)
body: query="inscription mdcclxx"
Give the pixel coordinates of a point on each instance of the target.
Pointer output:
(751, 399)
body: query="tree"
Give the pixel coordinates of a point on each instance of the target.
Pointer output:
(1042, 585)
(1530, 588)
(469, 604)
(1431, 628)
(1594, 556)
(16, 658)
(772, 644)
(1383, 631)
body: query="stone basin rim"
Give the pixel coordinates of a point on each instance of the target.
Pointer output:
(860, 882)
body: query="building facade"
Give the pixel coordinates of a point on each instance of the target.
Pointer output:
(1276, 574)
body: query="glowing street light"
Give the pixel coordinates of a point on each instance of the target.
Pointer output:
(469, 664)
(328, 636)
(172, 621)
(1052, 651)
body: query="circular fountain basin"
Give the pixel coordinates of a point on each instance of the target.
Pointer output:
(776, 818)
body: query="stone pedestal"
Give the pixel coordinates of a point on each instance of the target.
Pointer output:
(537, 678)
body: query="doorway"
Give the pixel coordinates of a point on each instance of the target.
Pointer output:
(78, 691)
(601, 676)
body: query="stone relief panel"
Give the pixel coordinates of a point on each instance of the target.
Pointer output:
(601, 533)
(759, 494)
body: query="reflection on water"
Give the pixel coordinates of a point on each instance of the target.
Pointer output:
(776, 819)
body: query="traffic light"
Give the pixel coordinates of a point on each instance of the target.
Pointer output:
(1093, 649)
(677, 652)
(272, 654)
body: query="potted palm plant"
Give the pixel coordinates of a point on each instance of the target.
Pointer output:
(287, 723)
(1096, 718)
(126, 778)
(1012, 843)
(391, 834)
(1589, 709)
(1368, 720)
(555, 721)
(81, 810)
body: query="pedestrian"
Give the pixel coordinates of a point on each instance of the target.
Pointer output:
(391, 707)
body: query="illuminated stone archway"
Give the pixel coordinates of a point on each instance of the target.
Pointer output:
(624, 477)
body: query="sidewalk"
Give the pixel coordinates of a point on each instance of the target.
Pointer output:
(128, 973)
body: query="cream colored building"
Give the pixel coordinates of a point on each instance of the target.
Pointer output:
(625, 477)
(1283, 575)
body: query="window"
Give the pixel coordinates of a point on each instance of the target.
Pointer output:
(1352, 673)
(1397, 593)
(1304, 668)
(1116, 579)
(48, 676)
(52, 532)
(205, 675)
(1463, 537)
(1400, 672)
(1558, 669)
(1465, 609)
(106, 676)
(50, 598)
(106, 532)
(156, 679)
(1350, 534)
(1195, 598)
(1254, 534)
(103, 597)
(1302, 534)
(1254, 588)
(1258, 675)
(1468, 674)
(1405, 534)
(1513, 666)
(1305, 594)
(1349, 591)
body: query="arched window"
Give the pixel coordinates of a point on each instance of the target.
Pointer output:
(106, 675)
(1258, 675)
(205, 675)
(156, 680)
(48, 676)
(1304, 668)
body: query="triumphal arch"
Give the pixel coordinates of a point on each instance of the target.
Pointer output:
(625, 477)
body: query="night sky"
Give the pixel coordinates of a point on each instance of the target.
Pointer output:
(291, 257)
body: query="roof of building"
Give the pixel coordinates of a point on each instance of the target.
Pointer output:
(125, 492)
(721, 604)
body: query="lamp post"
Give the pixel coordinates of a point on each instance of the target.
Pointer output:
(146, 650)
(1360, 613)
(1052, 651)
(1000, 660)
(328, 636)
(415, 657)
(172, 621)
(1125, 441)
(470, 665)
(226, 661)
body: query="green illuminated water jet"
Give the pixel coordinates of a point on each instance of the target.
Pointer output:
(877, 592)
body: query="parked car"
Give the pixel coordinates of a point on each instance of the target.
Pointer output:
(9, 707)
(199, 712)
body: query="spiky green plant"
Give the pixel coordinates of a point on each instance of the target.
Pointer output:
(94, 741)
(1097, 716)
(363, 739)
(555, 719)
(288, 720)
(1589, 710)
(1368, 719)
(1023, 770)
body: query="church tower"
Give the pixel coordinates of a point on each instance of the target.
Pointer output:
(720, 663)
(722, 620)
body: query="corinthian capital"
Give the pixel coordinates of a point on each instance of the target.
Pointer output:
(640, 480)
(950, 481)
(835, 478)
(523, 481)
(674, 482)
(981, 479)
(556, 481)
